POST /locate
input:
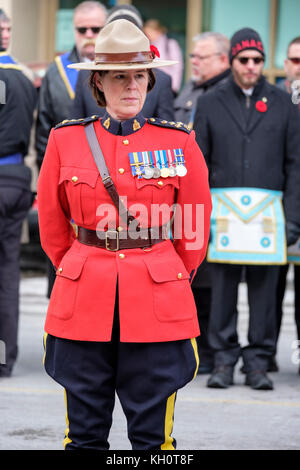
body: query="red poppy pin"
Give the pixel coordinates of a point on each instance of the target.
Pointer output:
(261, 106)
(154, 51)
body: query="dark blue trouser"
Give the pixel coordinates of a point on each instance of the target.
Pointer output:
(146, 377)
(14, 205)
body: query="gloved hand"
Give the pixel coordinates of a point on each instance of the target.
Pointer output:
(292, 231)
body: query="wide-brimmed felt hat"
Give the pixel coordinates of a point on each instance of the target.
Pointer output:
(121, 45)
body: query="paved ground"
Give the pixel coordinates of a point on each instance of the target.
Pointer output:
(32, 406)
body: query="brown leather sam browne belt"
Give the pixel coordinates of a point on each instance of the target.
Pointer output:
(113, 240)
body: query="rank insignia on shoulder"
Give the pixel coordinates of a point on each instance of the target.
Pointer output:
(74, 122)
(170, 124)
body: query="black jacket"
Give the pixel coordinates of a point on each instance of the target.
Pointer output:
(159, 101)
(16, 119)
(16, 114)
(251, 148)
(184, 104)
(54, 105)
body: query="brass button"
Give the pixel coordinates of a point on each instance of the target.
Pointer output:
(74, 179)
(160, 183)
(120, 229)
(60, 270)
(126, 142)
(179, 275)
(121, 171)
(121, 256)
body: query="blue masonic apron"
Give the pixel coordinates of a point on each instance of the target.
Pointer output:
(247, 227)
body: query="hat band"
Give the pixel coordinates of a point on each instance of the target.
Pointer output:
(126, 57)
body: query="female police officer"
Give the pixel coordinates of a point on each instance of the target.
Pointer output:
(121, 318)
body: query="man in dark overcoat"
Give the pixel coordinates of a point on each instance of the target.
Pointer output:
(210, 68)
(248, 131)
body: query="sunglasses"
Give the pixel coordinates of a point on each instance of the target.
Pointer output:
(245, 60)
(202, 57)
(83, 30)
(294, 60)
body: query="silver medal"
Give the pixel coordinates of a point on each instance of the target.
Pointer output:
(181, 170)
(156, 172)
(172, 171)
(148, 173)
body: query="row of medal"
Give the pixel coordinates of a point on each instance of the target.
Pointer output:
(158, 163)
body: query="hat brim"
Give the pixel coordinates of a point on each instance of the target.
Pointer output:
(123, 66)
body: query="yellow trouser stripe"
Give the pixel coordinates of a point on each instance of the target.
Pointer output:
(195, 348)
(45, 342)
(169, 420)
(67, 440)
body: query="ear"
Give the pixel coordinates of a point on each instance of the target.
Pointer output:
(224, 59)
(98, 81)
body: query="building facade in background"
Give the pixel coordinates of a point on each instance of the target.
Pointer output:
(47, 25)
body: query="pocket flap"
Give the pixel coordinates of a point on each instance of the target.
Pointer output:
(78, 175)
(158, 183)
(71, 266)
(162, 271)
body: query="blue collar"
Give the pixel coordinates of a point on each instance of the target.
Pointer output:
(127, 127)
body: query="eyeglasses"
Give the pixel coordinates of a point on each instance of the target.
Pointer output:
(294, 60)
(94, 29)
(202, 57)
(245, 60)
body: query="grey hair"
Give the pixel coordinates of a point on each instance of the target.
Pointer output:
(3, 16)
(221, 41)
(90, 5)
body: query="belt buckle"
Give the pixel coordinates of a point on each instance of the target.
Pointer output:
(116, 238)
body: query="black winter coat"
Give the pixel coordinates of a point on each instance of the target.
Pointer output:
(251, 148)
(186, 101)
(16, 114)
(16, 119)
(54, 105)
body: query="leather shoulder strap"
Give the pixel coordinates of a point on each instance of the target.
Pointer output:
(104, 172)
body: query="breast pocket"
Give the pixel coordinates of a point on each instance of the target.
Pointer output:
(80, 186)
(172, 295)
(160, 193)
(68, 274)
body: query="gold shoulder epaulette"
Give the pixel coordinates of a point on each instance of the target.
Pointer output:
(74, 122)
(170, 124)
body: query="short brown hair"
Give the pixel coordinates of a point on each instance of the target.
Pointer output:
(99, 95)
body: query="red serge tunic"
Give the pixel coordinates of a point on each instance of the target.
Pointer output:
(155, 298)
